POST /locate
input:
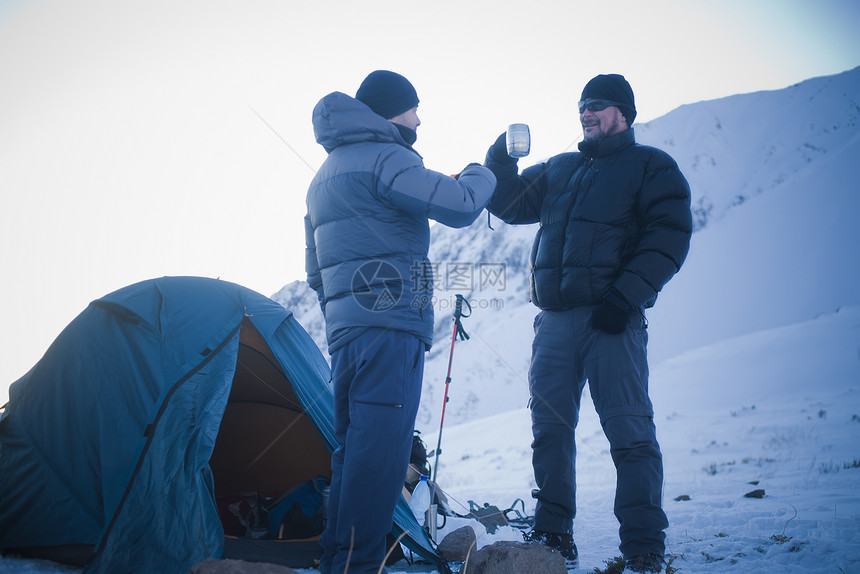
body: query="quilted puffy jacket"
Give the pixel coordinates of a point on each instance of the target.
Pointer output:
(614, 215)
(367, 230)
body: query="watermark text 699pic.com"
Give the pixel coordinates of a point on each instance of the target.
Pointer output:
(378, 285)
(480, 279)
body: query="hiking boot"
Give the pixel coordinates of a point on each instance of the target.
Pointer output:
(645, 564)
(559, 542)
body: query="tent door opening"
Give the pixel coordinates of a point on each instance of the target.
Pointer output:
(266, 447)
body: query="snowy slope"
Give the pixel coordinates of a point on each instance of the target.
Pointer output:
(788, 157)
(777, 410)
(735, 148)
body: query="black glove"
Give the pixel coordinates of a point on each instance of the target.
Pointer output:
(609, 317)
(498, 152)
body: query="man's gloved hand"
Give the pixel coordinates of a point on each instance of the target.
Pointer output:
(498, 152)
(609, 317)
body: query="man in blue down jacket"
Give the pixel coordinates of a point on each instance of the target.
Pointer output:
(367, 235)
(615, 226)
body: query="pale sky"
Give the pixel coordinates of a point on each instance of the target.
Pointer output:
(173, 137)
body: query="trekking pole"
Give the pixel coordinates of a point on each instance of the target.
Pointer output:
(458, 332)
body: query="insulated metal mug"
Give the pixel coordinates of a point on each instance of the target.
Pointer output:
(518, 140)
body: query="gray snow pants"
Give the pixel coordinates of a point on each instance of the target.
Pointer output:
(566, 352)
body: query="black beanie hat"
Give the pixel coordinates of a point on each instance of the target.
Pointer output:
(387, 93)
(615, 88)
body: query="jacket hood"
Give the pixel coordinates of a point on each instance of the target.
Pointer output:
(340, 119)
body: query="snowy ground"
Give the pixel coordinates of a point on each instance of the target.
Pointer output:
(777, 410)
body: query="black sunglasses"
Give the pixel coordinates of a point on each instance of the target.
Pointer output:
(596, 105)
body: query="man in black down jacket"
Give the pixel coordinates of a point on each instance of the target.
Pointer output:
(615, 226)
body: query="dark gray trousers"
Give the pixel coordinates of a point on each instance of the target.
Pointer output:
(566, 352)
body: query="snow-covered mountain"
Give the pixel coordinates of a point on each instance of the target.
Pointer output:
(774, 182)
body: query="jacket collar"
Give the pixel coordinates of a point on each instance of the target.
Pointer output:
(607, 146)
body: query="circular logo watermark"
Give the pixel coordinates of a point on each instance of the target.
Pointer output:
(377, 285)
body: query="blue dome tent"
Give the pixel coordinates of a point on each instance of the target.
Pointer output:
(152, 402)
